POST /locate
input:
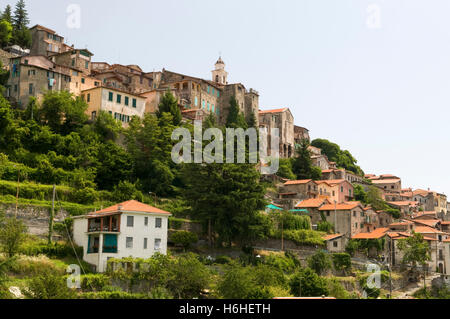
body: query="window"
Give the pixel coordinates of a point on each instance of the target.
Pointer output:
(354, 214)
(328, 213)
(93, 115)
(145, 243)
(208, 89)
(86, 65)
(89, 97)
(361, 226)
(127, 100)
(335, 244)
(196, 101)
(157, 243)
(146, 221)
(208, 107)
(110, 96)
(134, 102)
(83, 80)
(203, 104)
(342, 189)
(130, 221)
(119, 98)
(73, 62)
(129, 242)
(350, 192)
(30, 88)
(158, 223)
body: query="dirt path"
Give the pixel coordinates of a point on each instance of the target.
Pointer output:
(411, 288)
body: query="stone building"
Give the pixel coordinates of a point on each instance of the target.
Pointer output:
(128, 78)
(301, 133)
(348, 218)
(283, 120)
(351, 177)
(45, 41)
(79, 59)
(339, 190)
(33, 76)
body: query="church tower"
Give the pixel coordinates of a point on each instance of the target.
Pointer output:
(219, 75)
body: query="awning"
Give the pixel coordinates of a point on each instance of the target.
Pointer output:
(271, 206)
(299, 210)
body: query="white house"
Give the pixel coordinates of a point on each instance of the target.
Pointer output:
(129, 229)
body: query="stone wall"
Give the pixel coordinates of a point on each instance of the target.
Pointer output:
(34, 217)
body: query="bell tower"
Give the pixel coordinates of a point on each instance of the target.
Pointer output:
(219, 75)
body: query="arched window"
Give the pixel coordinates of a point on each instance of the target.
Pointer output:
(217, 78)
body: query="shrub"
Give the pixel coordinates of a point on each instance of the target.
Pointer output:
(48, 286)
(303, 237)
(175, 223)
(306, 283)
(319, 262)
(282, 263)
(94, 282)
(184, 238)
(342, 261)
(337, 290)
(222, 260)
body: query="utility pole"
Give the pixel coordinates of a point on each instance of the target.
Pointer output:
(18, 189)
(390, 268)
(282, 233)
(52, 214)
(335, 217)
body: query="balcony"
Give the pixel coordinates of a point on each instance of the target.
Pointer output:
(109, 224)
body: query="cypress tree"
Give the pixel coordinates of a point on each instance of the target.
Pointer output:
(20, 21)
(169, 104)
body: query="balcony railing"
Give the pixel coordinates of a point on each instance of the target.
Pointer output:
(110, 249)
(97, 228)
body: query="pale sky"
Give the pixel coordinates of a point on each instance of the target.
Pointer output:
(380, 90)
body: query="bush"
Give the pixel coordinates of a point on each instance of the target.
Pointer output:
(184, 238)
(282, 263)
(222, 260)
(337, 290)
(303, 237)
(49, 286)
(319, 262)
(175, 223)
(41, 247)
(326, 227)
(306, 283)
(342, 261)
(94, 282)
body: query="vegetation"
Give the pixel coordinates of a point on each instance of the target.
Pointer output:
(307, 283)
(320, 262)
(12, 234)
(415, 250)
(302, 164)
(342, 158)
(14, 27)
(184, 238)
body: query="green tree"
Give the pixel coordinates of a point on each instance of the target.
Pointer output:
(343, 158)
(302, 165)
(307, 283)
(149, 143)
(184, 238)
(12, 235)
(107, 127)
(125, 191)
(320, 262)
(169, 104)
(48, 286)
(62, 113)
(235, 119)
(5, 33)
(114, 164)
(20, 21)
(415, 250)
(360, 194)
(285, 169)
(188, 284)
(7, 14)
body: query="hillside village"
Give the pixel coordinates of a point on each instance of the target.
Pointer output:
(358, 208)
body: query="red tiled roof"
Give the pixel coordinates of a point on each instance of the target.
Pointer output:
(273, 111)
(426, 230)
(341, 206)
(331, 237)
(312, 202)
(377, 233)
(385, 181)
(131, 206)
(427, 222)
(303, 181)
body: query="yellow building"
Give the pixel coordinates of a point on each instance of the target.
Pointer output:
(121, 105)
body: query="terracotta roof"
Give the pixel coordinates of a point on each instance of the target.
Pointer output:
(332, 181)
(273, 111)
(312, 202)
(130, 206)
(377, 233)
(303, 181)
(402, 223)
(426, 230)
(385, 181)
(331, 237)
(403, 203)
(427, 222)
(341, 206)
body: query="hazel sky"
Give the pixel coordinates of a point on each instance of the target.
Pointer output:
(372, 76)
